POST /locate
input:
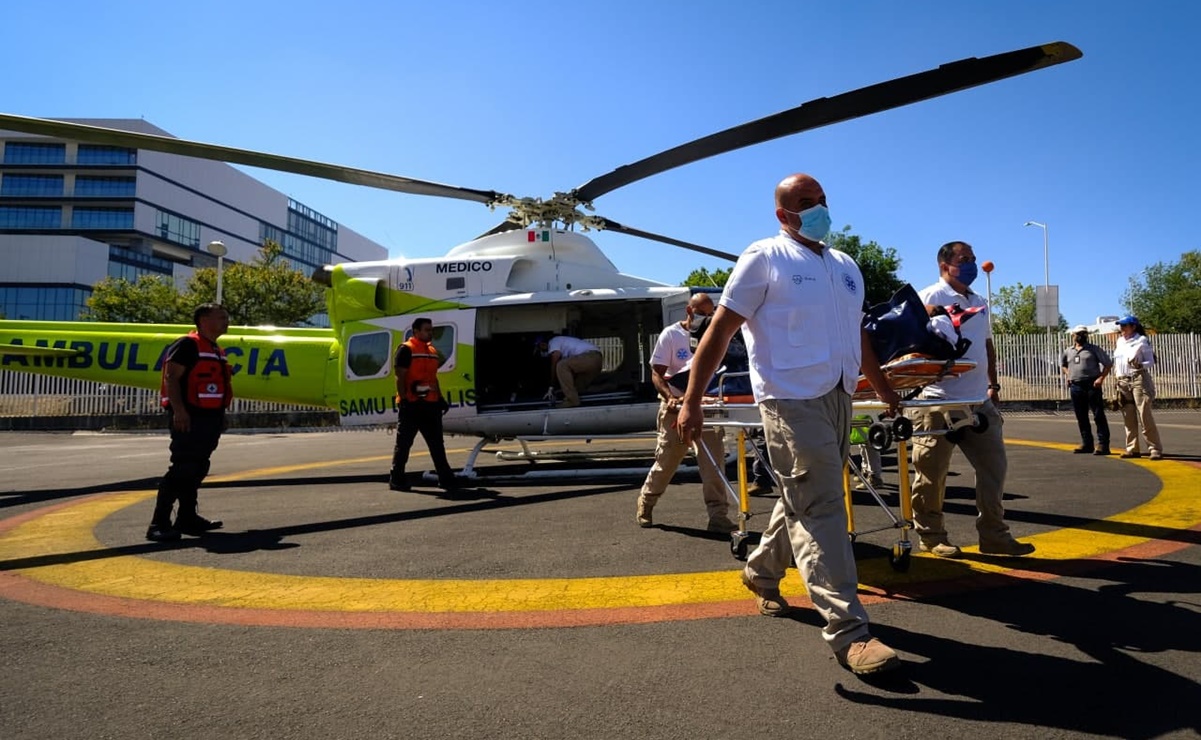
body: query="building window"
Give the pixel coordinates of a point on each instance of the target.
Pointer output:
(20, 186)
(104, 187)
(130, 265)
(20, 152)
(102, 218)
(30, 217)
(269, 233)
(177, 229)
(310, 238)
(110, 155)
(42, 303)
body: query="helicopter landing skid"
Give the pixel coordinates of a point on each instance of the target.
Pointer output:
(471, 473)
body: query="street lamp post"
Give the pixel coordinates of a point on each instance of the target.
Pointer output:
(1046, 289)
(218, 249)
(1046, 272)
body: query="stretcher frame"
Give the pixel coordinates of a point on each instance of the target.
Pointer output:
(741, 415)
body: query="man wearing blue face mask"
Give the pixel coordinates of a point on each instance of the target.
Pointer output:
(985, 451)
(799, 306)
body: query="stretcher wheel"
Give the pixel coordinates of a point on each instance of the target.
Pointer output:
(739, 543)
(899, 557)
(879, 437)
(979, 423)
(902, 429)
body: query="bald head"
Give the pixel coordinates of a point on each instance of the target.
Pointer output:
(701, 304)
(798, 192)
(794, 194)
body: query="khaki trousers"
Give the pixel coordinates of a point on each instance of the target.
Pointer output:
(670, 451)
(931, 460)
(1136, 395)
(808, 442)
(578, 372)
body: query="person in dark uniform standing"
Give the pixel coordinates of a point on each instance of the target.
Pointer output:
(421, 405)
(196, 390)
(1085, 366)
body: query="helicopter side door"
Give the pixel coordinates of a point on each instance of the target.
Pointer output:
(367, 393)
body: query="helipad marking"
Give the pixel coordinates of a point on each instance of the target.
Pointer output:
(148, 588)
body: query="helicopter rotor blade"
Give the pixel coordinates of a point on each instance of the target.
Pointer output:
(171, 145)
(610, 225)
(948, 78)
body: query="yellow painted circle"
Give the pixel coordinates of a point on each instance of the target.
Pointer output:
(65, 534)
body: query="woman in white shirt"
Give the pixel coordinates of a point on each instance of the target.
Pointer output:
(1132, 360)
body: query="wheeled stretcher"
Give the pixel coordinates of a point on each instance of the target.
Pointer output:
(740, 415)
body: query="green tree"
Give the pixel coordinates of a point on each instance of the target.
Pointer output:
(152, 299)
(264, 291)
(879, 265)
(1167, 298)
(702, 278)
(1015, 311)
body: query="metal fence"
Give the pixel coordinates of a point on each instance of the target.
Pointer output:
(1028, 369)
(29, 395)
(1028, 366)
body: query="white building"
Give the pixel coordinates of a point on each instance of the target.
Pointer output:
(73, 213)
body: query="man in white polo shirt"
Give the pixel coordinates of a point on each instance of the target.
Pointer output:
(985, 451)
(574, 363)
(802, 304)
(672, 354)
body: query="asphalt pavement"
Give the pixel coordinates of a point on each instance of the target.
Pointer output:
(332, 607)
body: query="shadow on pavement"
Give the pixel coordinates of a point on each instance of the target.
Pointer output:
(223, 541)
(1112, 688)
(19, 498)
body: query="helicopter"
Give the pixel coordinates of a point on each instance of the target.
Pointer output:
(490, 299)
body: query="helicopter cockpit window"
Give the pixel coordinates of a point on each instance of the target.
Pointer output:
(367, 355)
(444, 342)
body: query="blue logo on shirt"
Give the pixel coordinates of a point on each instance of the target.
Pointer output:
(683, 354)
(849, 283)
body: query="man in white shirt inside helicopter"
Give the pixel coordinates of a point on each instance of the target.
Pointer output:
(574, 363)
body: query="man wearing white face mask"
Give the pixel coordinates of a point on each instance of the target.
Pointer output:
(672, 355)
(985, 451)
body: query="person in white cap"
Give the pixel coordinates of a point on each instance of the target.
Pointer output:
(1084, 366)
(1132, 361)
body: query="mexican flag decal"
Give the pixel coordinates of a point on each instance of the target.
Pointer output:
(538, 236)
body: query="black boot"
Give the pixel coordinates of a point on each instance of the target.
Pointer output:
(196, 525)
(162, 533)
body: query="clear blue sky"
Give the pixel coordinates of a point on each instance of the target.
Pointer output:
(533, 97)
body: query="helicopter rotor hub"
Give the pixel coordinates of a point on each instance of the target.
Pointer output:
(561, 208)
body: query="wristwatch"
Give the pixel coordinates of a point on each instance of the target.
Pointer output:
(994, 386)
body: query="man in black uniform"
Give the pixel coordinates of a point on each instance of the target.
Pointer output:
(1085, 366)
(196, 391)
(421, 405)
